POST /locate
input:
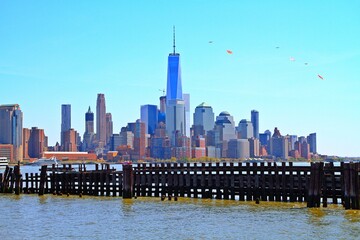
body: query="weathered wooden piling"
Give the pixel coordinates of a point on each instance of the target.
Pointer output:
(128, 181)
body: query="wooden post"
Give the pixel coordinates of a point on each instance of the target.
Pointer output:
(128, 181)
(42, 180)
(17, 179)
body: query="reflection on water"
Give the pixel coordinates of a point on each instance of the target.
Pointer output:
(116, 218)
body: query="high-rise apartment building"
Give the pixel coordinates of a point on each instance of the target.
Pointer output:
(65, 121)
(255, 123)
(11, 129)
(101, 120)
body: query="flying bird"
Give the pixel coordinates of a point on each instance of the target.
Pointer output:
(210, 41)
(320, 77)
(229, 51)
(306, 63)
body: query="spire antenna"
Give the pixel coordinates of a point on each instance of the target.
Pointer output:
(174, 39)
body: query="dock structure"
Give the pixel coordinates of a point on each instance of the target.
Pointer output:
(319, 183)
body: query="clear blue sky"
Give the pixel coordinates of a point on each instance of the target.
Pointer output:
(56, 52)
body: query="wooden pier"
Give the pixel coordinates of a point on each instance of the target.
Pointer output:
(319, 183)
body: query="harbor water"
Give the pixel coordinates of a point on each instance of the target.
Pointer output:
(71, 217)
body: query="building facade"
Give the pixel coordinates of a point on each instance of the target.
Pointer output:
(101, 120)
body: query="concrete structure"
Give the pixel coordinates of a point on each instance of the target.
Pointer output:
(101, 120)
(186, 97)
(115, 142)
(11, 129)
(149, 115)
(279, 145)
(126, 138)
(139, 140)
(175, 119)
(255, 123)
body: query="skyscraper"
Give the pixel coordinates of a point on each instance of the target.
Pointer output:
(149, 115)
(203, 119)
(11, 130)
(65, 121)
(36, 143)
(101, 120)
(89, 130)
(175, 104)
(109, 127)
(311, 139)
(245, 129)
(255, 123)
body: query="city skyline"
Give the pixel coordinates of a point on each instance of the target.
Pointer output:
(55, 62)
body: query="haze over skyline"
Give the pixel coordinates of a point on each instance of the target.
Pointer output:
(67, 52)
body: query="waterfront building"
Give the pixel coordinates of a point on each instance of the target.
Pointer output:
(255, 123)
(101, 120)
(36, 143)
(89, 134)
(238, 149)
(6, 150)
(149, 115)
(71, 156)
(70, 143)
(65, 121)
(11, 129)
(26, 138)
(109, 127)
(245, 129)
(203, 119)
(311, 139)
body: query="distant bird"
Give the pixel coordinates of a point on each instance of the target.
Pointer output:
(229, 51)
(306, 63)
(210, 41)
(320, 77)
(277, 47)
(292, 59)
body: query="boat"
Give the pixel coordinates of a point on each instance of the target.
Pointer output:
(4, 162)
(45, 161)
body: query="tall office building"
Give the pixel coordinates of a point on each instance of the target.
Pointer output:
(226, 125)
(186, 97)
(175, 105)
(89, 130)
(245, 129)
(203, 119)
(162, 110)
(139, 140)
(101, 120)
(36, 143)
(65, 121)
(149, 115)
(311, 139)
(238, 148)
(109, 127)
(279, 145)
(255, 123)
(70, 141)
(26, 138)
(11, 129)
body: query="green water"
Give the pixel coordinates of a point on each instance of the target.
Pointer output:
(61, 217)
